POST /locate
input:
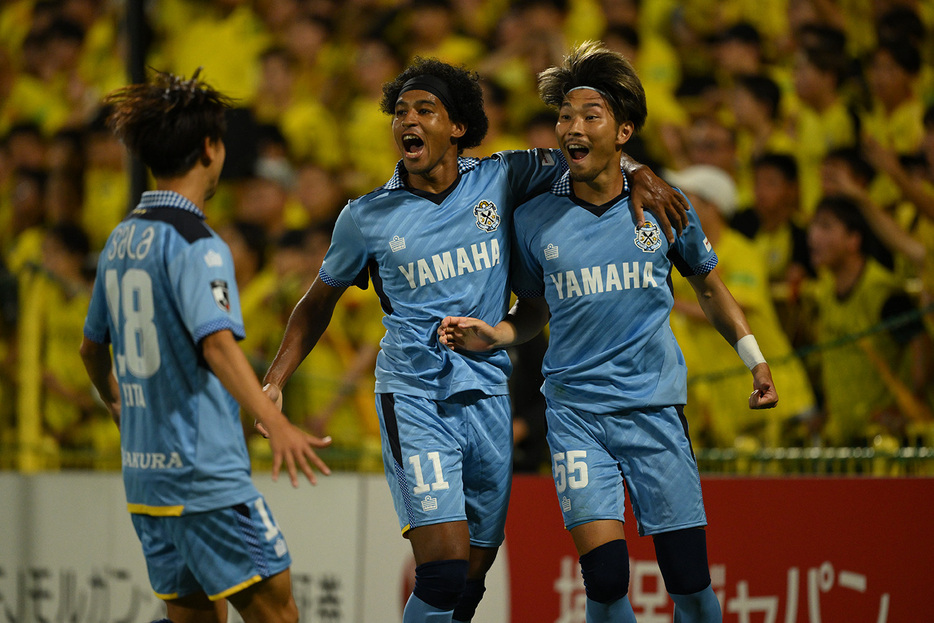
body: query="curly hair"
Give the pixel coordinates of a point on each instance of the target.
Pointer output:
(467, 106)
(592, 65)
(164, 121)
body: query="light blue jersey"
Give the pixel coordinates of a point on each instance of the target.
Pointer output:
(433, 256)
(164, 282)
(611, 347)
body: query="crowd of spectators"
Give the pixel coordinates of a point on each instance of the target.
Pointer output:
(803, 131)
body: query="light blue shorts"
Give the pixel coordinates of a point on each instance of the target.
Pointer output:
(219, 552)
(449, 460)
(592, 455)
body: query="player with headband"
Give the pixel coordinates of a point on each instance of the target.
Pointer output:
(436, 237)
(615, 379)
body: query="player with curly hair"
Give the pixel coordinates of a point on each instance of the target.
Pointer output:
(165, 300)
(436, 237)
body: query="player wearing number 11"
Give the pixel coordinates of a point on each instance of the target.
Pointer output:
(614, 375)
(166, 302)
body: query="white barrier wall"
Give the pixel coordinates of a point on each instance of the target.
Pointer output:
(68, 551)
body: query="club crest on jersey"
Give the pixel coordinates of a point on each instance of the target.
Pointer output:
(487, 217)
(221, 294)
(648, 238)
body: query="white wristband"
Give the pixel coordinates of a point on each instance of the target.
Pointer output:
(748, 350)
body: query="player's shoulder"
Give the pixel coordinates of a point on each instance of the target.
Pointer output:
(188, 225)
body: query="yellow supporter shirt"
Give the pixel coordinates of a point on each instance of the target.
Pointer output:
(371, 150)
(708, 355)
(902, 131)
(227, 47)
(853, 389)
(106, 202)
(817, 133)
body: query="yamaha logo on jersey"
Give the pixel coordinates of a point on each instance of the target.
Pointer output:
(487, 217)
(648, 238)
(221, 294)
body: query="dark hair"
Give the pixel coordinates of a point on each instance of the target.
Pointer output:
(466, 107)
(854, 159)
(72, 238)
(783, 163)
(903, 52)
(764, 90)
(254, 238)
(592, 65)
(847, 212)
(828, 59)
(165, 121)
(742, 32)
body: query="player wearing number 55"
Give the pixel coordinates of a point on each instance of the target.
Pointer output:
(166, 303)
(615, 378)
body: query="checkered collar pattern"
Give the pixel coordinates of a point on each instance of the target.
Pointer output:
(397, 180)
(168, 199)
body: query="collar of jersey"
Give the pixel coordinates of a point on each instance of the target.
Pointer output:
(168, 199)
(562, 187)
(396, 181)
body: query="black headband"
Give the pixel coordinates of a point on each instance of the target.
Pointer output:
(434, 85)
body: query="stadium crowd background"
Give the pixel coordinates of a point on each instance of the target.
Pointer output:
(808, 107)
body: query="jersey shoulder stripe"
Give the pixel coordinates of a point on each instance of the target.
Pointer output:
(188, 225)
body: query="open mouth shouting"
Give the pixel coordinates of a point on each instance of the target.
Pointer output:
(577, 152)
(412, 145)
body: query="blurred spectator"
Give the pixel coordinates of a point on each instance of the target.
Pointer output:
(303, 120)
(53, 386)
(756, 105)
(775, 225)
(225, 37)
(894, 120)
(744, 272)
(862, 369)
(257, 285)
(106, 185)
(824, 119)
(370, 149)
(319, 193)
(429, 30)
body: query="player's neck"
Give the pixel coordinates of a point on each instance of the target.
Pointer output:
(602, 189)
(189, 186)
(435, 181)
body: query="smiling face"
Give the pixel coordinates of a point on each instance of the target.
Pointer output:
(425, 135)
(589, 136)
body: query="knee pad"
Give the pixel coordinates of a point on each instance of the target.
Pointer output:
(682, 559)
(606, 571)
(440, 583)
(470, 599)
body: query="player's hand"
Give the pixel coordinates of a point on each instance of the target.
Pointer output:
(668, 205)
(764, 395)
(466, 333)
(272, 392)
(295, 449)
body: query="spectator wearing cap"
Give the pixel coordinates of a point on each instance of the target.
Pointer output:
(726, 423)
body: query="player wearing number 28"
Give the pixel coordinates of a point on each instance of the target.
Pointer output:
(166, 302)
(614, 375)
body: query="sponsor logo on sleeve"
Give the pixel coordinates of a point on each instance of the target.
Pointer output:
(221, 294)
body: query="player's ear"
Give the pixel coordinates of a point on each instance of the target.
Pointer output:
(624, 132)
(460, 128)
(208, 152)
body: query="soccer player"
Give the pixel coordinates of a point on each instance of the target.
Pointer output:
(615, 379)
(166, 302)
(435, 238)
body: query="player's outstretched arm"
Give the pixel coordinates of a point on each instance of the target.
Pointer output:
(726, 316)
(654, 194)
(524, 321)
(97, 362)
(307, 323)
(290, 445)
